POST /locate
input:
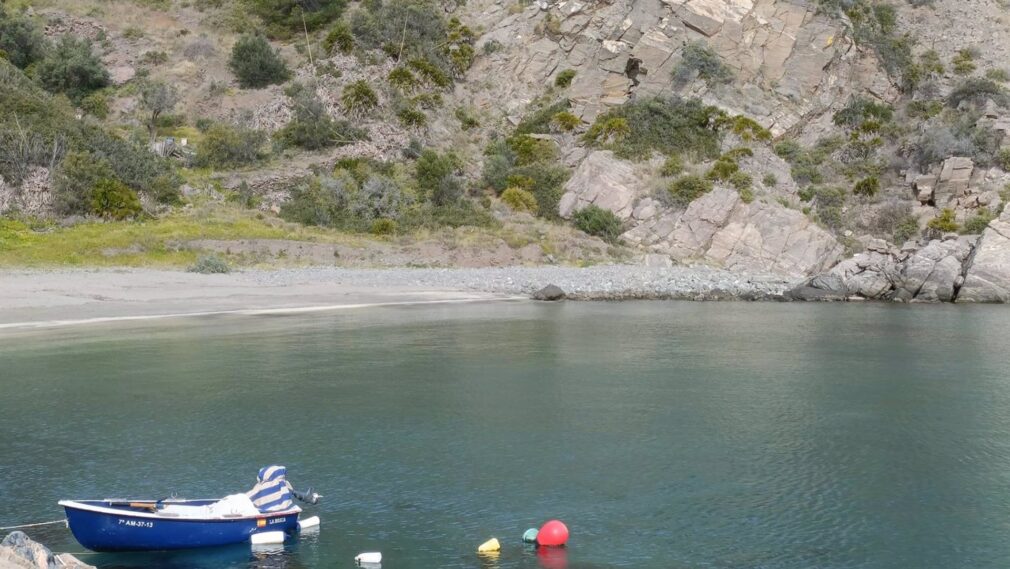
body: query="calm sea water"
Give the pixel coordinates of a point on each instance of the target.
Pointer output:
(667, 435)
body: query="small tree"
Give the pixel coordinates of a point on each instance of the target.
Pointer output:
(72, 68)
(312, 127)
(256, 64)
(157, 98)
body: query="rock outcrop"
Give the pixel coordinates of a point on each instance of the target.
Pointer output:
(18, 551)
(930, 273)
(719, 228)
(789, 62)
(988, 276)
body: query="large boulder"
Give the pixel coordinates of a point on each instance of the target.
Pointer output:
(603, 180)
(933, 273)
(988, 275)
(721, 229)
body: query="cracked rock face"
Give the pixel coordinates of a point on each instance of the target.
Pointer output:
(788, 62)
(932, 273)
(988, 276)
(717, 228)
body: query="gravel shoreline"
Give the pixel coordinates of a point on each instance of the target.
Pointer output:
(45, 298)
(604, 282)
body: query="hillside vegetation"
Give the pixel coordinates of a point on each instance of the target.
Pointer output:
(395, 121)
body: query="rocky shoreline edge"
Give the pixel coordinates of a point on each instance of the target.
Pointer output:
(18, 551)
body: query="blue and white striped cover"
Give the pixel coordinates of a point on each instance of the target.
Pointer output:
(272, 492)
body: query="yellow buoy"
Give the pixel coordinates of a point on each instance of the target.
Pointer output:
(489, 546)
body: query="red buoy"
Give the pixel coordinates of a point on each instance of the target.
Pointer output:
(553, 534)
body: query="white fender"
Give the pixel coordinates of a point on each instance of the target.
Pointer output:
(308, 523)
(369, 557)
(266, 537)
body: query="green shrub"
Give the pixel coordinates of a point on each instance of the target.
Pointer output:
(411, 117)
(72, 68)
(597, 221)
(672, 166)
(311, 127)
(564, 78)
(788, 150)
(359, 98)
(723, 169)
(907, 228)
(286, 17)
(383, 226)
(697, 59)
(746, 128)
(944, 223)
(519, 199)
(112, 199)
(964, 61)
(528, 150)
(977, 223)
(75, 179)
(1003, 159)
(461, 213)
(976, 91)
(867, 187)
(998, 74)
(770, 180)
(21, 42)
(746, 194)
(403, 79)
(686, 189)
(566, 121)
(467, 119)
(226, 146)
(830, 202)
(436, 177)
(741, 181)
(430, 72)
(154, 58)
(96, 104)
(540, 121)
(669, 126)
(339, 39)
(209, 265)
(859, 110)
(256, 64)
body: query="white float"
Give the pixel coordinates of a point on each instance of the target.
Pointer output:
(369, 557)
(307, 523)
(267, 537)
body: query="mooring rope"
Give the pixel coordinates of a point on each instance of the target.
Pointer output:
(59, 521)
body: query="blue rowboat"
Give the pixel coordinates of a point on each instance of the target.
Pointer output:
(137, 525)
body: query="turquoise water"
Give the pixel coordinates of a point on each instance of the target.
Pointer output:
(667, 435)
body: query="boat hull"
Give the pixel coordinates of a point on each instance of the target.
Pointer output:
(100, 528)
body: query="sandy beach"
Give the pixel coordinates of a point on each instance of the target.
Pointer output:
(34, 298)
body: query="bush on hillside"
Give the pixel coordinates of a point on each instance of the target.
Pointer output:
(976, 90)
(597, 221)
(112, 199)
(669, 126)
(943, 223)
(359, 98)
(339, 39)
(564, 78)
(437, 178)
(686, 189)
(286, 17)
(867, 187)
(21, 42)
(699, 60)
(256, 64)
(227, 146)
(311, 127)
(72, 68)
(519, 199)
(75, 179)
